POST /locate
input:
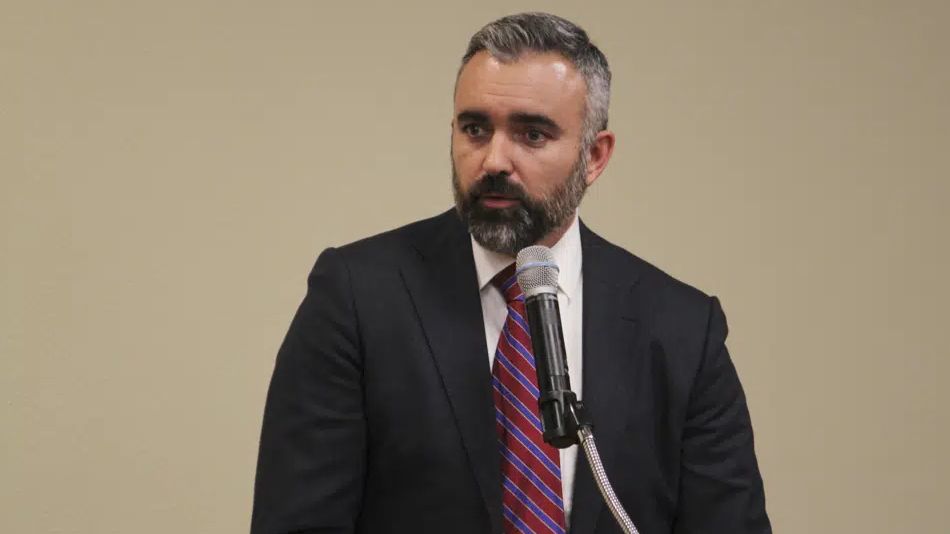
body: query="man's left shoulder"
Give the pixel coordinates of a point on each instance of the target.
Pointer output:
(653, 292)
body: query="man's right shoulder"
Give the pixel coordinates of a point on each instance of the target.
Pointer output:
(392, 247)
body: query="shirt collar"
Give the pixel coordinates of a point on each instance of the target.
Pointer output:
(567, 255)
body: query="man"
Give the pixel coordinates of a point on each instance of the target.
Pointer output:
(384, 414)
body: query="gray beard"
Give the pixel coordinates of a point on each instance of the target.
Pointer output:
(509, 231)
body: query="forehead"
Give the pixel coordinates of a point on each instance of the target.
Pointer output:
(544, 83)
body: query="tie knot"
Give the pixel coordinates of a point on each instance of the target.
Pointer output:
(507, 282)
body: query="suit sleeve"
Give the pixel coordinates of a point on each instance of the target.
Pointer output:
(312, 451)
(720, 488)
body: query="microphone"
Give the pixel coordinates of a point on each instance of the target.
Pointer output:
(537, 276)
(564, 419)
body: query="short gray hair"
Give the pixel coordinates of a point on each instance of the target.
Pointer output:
(509, 37)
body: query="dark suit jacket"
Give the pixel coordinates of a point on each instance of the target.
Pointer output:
(379, 416)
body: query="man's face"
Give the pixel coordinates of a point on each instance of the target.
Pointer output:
(518, 168)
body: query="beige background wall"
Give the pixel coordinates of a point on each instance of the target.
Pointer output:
(169, 171)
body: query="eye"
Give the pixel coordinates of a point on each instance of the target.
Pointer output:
(535, 137)
(474, 130)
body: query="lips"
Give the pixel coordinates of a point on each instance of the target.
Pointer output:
(498, 201)
(496, 191)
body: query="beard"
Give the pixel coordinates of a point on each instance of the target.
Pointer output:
(508, 230)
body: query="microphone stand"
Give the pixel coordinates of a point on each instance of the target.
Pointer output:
(576, 428)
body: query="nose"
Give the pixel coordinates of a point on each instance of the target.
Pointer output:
(498, 158)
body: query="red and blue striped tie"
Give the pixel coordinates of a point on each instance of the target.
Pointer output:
(531, 469)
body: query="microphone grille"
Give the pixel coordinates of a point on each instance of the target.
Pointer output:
(536, 270)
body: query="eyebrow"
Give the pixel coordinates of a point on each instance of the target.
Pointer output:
(535, 119)
(472, 116)
(522, 119)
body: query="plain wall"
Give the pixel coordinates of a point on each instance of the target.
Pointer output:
(170, 170)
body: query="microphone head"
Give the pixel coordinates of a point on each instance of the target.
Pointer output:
(537, 270)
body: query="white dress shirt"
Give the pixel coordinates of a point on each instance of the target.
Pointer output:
(567, 254)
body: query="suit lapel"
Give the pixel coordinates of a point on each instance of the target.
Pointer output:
(609, 330)
(444, 290)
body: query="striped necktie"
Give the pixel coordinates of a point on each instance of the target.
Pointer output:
(531, 470)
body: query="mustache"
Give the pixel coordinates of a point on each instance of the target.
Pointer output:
(497, 184)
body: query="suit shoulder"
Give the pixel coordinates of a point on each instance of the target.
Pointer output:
(654, 287)
(672, 314)
(392, 246)
(626, 264)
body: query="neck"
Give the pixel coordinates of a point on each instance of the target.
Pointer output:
(555, 235)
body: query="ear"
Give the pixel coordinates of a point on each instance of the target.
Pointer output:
(599, 154)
